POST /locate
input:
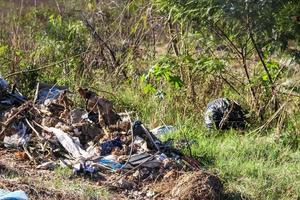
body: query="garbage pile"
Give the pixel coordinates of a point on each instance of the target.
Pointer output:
(50, 131)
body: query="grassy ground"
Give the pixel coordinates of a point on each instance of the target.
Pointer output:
(257, 167)
(251, 165)
(44, 184)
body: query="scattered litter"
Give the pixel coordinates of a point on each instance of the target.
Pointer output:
(16, 195)
(47, 165)
(84, 167)
(21, 155)
(162, 130)
(48, 91)
(68, 143)
(3, 84)
(150, 194)
(18, 137)
(110, 161)
(125, 184)
(108, 146)
(9, 99)
(50, 131)
(153, 143)
(76, 115)
(100, 105)
(143, 159)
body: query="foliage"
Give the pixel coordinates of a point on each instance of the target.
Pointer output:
(61, 39)
(186, 53)
(163, 69)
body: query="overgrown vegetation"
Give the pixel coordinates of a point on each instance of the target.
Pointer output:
(166, 59)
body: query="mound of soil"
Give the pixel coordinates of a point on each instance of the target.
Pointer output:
(198, 185)
(188, 185)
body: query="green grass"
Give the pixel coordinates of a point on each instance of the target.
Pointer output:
(254, 166)
(60, 181)
(251, 166)
(63, 181)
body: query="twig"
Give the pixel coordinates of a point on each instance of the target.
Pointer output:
(43, 67)
(260, 54)
(132, 140)
(278, 73)
(33, 129)
(36, 92)
(99, 38)
(294, 94)
(230, 85)
(225, 117)
(273, 116)
(28, 154)
(270, 119)
(261, 58)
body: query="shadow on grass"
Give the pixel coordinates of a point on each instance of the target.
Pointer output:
(206, 161)
(235, 196)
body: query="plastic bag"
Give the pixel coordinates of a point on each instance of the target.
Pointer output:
(3, 84)
(47, 91)
(224, 113)
(16, 195)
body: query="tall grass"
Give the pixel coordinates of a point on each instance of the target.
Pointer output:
(252, 166)
(263, 165)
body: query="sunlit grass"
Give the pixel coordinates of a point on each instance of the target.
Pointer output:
(254, 166)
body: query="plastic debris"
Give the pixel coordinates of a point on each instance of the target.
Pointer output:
(91, 117)
(47, 165)
(3, 84)
(162, 130)
(153, 143)
(76, 115)
(110, 161)
(16, 195)
(223, 113)
(139, 158)
(48, 91)
(107, 147)
(100, 105)
(145, 160)
(9, 99)
(98, 141)
(125, 184)
(84, 167)
(68, 143)
(19, 137)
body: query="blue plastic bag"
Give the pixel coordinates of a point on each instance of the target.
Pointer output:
(108, 146)
(16, 195)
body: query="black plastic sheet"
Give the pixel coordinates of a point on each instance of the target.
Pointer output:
(9, 99)
(224, 113)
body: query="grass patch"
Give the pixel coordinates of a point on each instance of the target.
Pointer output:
(252, 166)
(63, 181)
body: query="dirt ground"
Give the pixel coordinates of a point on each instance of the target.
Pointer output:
(18, 174)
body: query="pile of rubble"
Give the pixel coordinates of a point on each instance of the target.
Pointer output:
(124, 154)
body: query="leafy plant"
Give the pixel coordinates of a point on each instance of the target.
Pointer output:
(163, 70)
